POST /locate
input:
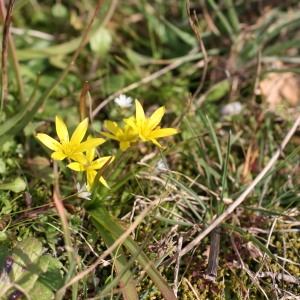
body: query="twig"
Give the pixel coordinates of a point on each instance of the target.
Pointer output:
(192, 288)
(175, 289)
(213, 258)
(279, 277)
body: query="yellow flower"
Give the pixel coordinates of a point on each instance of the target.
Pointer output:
(86, 163)
(125, 136)
(70, 148)
(148, 128)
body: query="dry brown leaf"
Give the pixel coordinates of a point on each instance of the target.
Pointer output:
(278, 88)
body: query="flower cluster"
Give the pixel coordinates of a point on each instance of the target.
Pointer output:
(81, 154)
(139, 127)
(74, 149)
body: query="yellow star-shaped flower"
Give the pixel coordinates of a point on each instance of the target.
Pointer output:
(86, 163)
(66, 147)
(147, 128)
(125, 136)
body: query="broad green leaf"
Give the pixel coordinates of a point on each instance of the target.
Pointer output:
(27, 267)
(61, 49)
(17, 186)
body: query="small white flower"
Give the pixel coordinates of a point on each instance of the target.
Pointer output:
(123, 101)
(231, 109)
(161, 165)
(83, 192)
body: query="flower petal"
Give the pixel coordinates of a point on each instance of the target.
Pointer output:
(48, 141)
(131, 122)
(155, 142)
(61, 130)
(75, 166)
(108, 135)
(89, 144)
(90, 154)
(124, 146)
(112, 127)
(103, 181)
(163, 132)
(156, 117)
(90, 176)
(80, 157)
(58, 155)
(80, 132)
(100, 162)
(139, 111)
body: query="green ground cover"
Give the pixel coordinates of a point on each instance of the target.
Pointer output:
(181, 180)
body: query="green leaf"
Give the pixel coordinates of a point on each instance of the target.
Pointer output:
(53, 277)
(17, 186)
(218, 91)
(31, 270)
(41, 292)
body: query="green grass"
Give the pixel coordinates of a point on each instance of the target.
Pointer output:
(148, 236)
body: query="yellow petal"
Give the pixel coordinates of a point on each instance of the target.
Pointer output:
(139, 111)
(124, 146)
(154, 141)
(109, 136)
(80, 157)
(156, 117)
(163, 132)
(80, 132)
(90, 176)
(131, 122)
(90, 154)
(102, 180)
(89, 144)
(100, 162)
(61, 130)
(59, 155)
(111, 126)
(75, 166)
(48, 141)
